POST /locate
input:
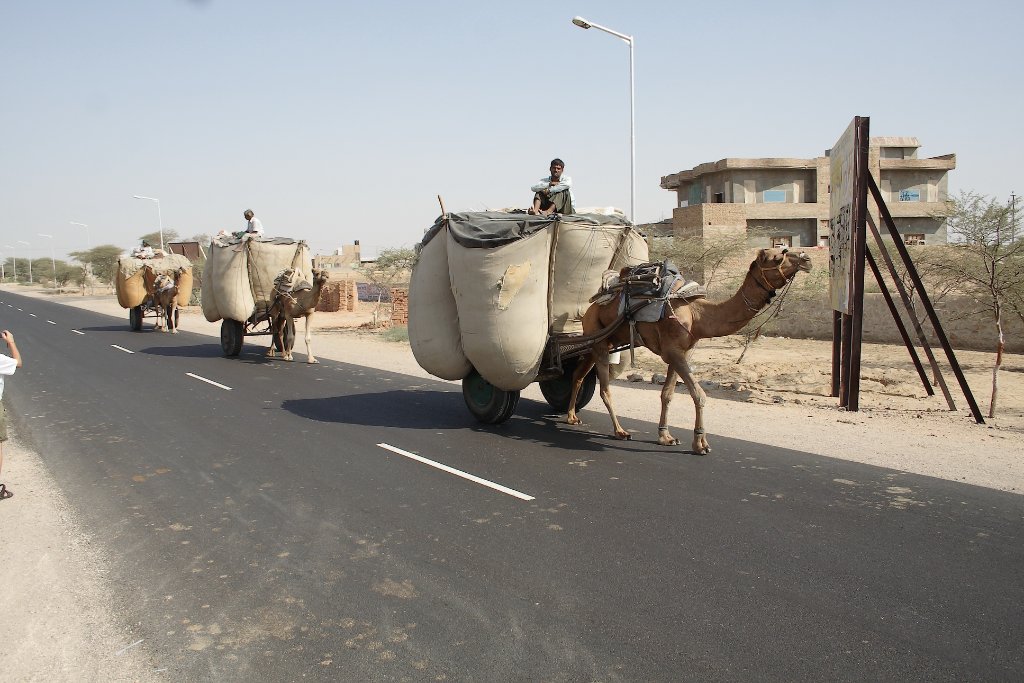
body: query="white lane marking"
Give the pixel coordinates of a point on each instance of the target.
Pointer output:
(32, 314)
(77, 332)
(51, 322)
(121, 348)
(126, 648)
(19, 309)
(458, 473)
(208, 381)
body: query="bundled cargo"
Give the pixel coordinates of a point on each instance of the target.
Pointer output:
(134, 285)
(238, 283)
(489, 289)
(134, 279)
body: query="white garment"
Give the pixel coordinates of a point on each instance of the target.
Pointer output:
(7, 367)
(254, 226)
(564, 185)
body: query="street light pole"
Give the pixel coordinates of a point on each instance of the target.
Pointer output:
(53, 261)
(27, 246)
(159, 218)
(584, 24)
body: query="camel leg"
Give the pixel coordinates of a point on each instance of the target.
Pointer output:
(286, 350)
(604, 377)
(309, 351)
(584, 366)
(170, 316)
(668, 390)
(700, 442)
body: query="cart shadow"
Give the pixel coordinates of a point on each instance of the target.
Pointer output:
(108, 328)
(446, 410)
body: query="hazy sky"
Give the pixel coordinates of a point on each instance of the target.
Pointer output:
(338, 121)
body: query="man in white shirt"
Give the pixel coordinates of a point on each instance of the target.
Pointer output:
(254, 227)
(553, 194)
(8, 364)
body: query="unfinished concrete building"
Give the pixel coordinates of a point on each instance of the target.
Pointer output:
(785, 202)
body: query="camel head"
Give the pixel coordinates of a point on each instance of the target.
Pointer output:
(320, 276)
(161, 281)
(776, 267)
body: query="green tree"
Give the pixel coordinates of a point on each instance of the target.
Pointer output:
(392, 267)
(985, 260)
(103, 259)
(170, 235)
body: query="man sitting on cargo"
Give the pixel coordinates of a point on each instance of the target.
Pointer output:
(553, 194)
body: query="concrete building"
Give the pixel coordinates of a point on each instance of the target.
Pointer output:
(344, 261)
(785, 202)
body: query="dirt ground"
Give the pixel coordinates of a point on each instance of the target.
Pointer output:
(57, 625)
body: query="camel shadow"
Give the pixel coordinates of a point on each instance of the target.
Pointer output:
(107, 328)
(533, 421)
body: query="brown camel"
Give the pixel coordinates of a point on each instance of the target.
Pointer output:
(165, 300)
(291, 301)
(673, 337)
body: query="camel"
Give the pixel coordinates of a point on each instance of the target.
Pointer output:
(292, 300)
(673, 337)
(165, 300)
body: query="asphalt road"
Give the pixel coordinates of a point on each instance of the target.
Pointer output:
(275, 526)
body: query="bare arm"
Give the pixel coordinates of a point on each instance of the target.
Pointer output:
(9, 338)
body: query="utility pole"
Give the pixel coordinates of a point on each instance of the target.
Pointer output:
(1013, 217)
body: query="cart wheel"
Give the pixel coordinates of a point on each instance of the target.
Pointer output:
(231, 336)
(135, 318)
(558, 391)
(289, 336)
(488, 403)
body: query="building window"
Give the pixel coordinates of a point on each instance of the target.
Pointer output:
(822, 241)
(774, 196)
(910, 195)
(782, 242)
(719, 198)
(914, 239)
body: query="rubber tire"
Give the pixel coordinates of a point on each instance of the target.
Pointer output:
(557, 392)
(486, 402)
(135, 318)
(231, 336)
(289, 337)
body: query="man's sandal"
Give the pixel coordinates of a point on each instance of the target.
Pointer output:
(5, 492)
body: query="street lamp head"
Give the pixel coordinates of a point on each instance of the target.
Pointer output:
(581, 22)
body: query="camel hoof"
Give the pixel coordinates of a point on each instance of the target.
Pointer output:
(623, 436)
(669, 442)
(573, 420)
(313, 361)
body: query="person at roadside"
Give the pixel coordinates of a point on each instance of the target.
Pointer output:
(8, 364)
(553, 194)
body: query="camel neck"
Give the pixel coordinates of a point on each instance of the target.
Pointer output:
(729, 316)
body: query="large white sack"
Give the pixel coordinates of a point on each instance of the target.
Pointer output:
(634, 251)
(433, 316)
(502, 299)
(582, 253)
(225, 291)
(266, 260)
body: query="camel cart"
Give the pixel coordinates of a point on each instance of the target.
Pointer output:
(134, 280)
(497, 300)
(238, 286)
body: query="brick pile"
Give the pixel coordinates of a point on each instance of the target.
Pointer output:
(330, 298)
(399, 306)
